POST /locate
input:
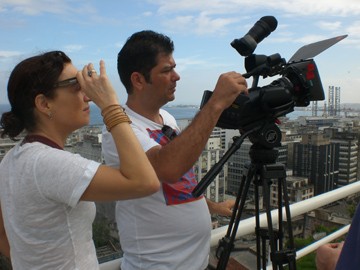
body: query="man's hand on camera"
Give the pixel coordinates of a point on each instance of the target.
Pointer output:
(228, 87)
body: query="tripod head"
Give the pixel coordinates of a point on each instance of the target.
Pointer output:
(267, 135)
(264, 134)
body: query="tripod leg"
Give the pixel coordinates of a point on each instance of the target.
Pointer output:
(272, 242)
(261, 234)
(259, 244)
(292, 254)
(279, 256)
(226, 244)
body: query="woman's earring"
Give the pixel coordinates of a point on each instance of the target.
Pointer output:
(50, 115)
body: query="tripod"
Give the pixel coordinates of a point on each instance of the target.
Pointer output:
(262, 171)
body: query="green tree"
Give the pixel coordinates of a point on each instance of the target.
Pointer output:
(302, 242)
(307, 262)
(351, 209)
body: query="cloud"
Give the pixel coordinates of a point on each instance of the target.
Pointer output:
(34, 7)
(119, 44)
(79, 12)
(205, 24)
(354, 29)
(219, 17)
(193, 62)
(307, 39)
(202, 24)
(147, 13)
(329, 25)
(319, 7)
(299, 7)
(73, 48)
(7, 54)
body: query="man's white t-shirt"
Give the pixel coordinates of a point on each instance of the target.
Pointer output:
(46, 224)
(170, 229)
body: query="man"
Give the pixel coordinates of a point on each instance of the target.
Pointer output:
(328, 255)
(344, 255)
(171, 229)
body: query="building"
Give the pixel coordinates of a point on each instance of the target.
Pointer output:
(348, 156)
(317, 122)
(237, 167)
(86, 142)
(334, 101)
(317, 157)
(298, 189)
(208, 158)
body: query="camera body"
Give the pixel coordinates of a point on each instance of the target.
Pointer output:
(300, 83)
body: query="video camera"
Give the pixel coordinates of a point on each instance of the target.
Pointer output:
(300, 82)
(255, 116)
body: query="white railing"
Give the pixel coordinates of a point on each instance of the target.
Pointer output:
(112, 265)
(330, 238)
(247, 226)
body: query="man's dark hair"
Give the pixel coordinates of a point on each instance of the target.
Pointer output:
(140, 54)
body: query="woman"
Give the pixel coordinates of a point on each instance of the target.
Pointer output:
(47, 194)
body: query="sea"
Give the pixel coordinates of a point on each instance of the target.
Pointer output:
(179, 112)
(184, 112)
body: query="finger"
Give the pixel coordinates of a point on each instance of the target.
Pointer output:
(80, 75)
(85, 71)
(91, 70)
(245, 83)
(90, 66)
(102, 67)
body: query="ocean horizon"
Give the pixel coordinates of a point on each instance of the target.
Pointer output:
(178, 111)
(183, 112)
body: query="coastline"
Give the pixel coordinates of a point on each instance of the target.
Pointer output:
(186, 112)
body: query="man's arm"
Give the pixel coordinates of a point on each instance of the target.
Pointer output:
(178, 156)
(327, 256)
(4, 243)
(224, 208)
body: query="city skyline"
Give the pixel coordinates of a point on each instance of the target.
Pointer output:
(202, 32)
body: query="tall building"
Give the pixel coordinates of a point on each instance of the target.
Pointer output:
(348, 156)
(208, 158)
(237, 167)
(221, 134)
(317, 157)
(314, 108)
(334, 101)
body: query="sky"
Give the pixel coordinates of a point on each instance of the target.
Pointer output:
(202, 30)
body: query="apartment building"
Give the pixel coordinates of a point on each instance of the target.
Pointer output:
(317, 158)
